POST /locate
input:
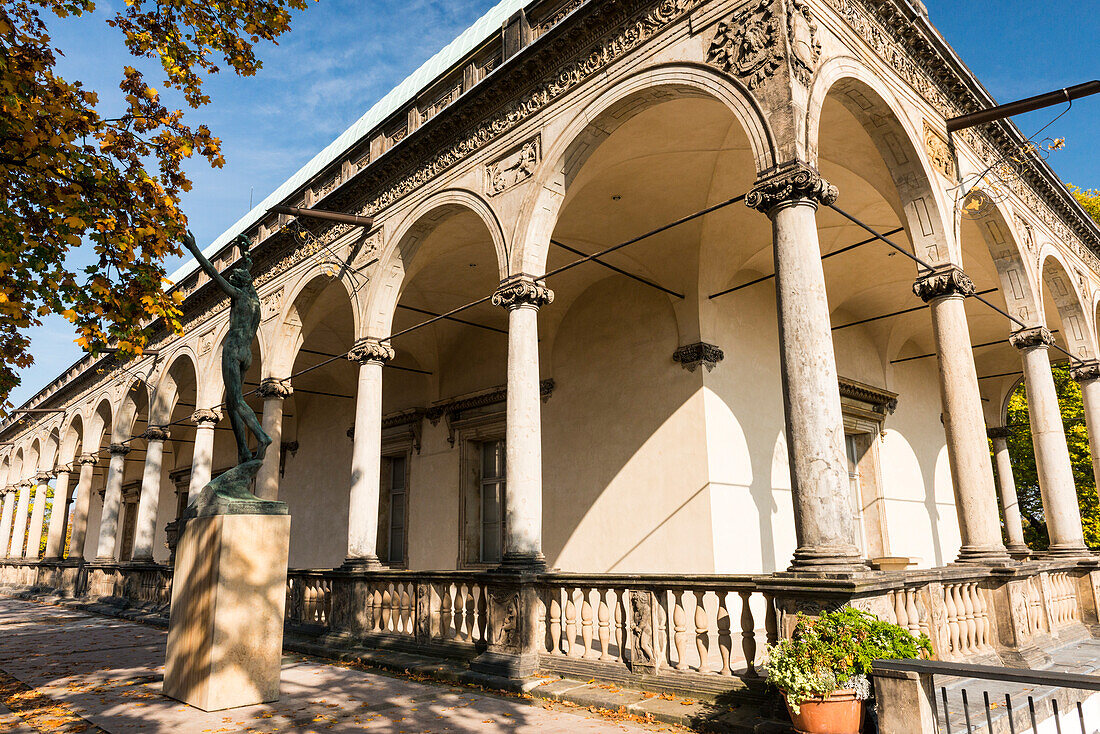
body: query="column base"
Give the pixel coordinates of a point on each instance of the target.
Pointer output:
(365, 563)
(522, 563)
(984, 555)
(828, 559)
(1068, 551)
(1019, 552)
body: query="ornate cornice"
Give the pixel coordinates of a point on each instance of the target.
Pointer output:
(522, 291)
(942, 283)
(118, 449)
(1038, 336)
(1087, 371)
(881, 401)
(368, 351)
(206, 415)
(275, 388)
(789, 183)
(157, 433)
(692, 356)
(996, 433)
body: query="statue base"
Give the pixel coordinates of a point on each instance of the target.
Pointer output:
(225, 635)
(231, 494)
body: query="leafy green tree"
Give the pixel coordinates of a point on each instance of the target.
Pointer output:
(1023, 461)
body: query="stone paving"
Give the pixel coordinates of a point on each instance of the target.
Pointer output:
(67, 671)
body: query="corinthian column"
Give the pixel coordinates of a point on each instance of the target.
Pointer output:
(1049, 440)
(9, 494)
(274, 391)
(521, 296)
(19, 529)
(823, 516)
(1087, 376)
(38, 515)
(83, 505)
(1014, 524)
(202, 457)
(59, 515)
(112, 504)
(145, 528)
(366, 456)
(944, 290)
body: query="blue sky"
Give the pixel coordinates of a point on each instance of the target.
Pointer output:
(343, 55)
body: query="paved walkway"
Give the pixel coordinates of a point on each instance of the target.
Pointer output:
(66, 671)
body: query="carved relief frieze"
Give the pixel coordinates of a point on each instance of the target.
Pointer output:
(939, 152)
(804, 42)
(206, 343)
(271, 303)
(504, 619)
(748, 44)
(514, 168)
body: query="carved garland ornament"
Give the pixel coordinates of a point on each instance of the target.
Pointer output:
(748, 44)
(788, 184)
(1038, 336)
(522, 291)
(942, 283)
(366, 351)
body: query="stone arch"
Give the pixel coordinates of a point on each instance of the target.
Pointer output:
(1057, 281)
(877, 110)
(135, 400)
(1011, 249)
(399, 254)
(72, 439)
(166, 391)
(297, 318)
(100, 424)
(47, 462)
(31, 458)
(566, 155)
(5, 476)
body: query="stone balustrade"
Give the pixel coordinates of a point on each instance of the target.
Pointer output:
(705, 634)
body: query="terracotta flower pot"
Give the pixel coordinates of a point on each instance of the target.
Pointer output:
(839, 713)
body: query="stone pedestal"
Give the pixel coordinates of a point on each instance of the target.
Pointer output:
(225, 638)
(512, 629)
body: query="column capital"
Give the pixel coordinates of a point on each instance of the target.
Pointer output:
(943, 282)
(206, 415)
(86, 460)
(156, 433)
(43, 477)
(522, 291)
(25, 484)
(275, 387)
(1087, 371)
(368, 351)
(10, 489)
(1001, 432)
(118, 449)
(65, 469)
(787, 183)
(1030, 338)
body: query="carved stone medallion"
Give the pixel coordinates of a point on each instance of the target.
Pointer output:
(748, 45)
(805, 45)
(939, 152)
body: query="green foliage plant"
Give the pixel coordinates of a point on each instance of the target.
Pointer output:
(835, 652)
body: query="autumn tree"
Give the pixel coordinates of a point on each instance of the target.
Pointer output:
(1089, 199)
(1023, 461)
(74, 174)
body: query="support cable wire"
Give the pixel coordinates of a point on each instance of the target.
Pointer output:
(930, 268)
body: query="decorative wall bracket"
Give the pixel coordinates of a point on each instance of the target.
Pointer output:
(692, 356)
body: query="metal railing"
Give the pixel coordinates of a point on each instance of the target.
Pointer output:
(982, 698)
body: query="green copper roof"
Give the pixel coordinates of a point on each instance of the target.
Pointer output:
(487, 26)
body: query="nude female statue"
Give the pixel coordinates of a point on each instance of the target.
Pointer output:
(244, 320)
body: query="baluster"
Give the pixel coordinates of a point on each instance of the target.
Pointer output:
(901, 619)
(570, 624)
(407, 608)
(771, 620)
(445, 613)
(387, 603)
(1074, 608)
(471, 612)
(725, 639)
(542, 628)
(482, 614)
(662, 626)
(604, 618)
(555, 621)
(586, 623)
(679, 619)
(702, 632)
(748, 634)
(962, 600)
(620, 632)
(911, 611)
(981, 604)
(952, 617)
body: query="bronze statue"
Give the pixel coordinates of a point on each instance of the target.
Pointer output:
(244, 321)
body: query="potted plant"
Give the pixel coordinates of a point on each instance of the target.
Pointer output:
(822, 669)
